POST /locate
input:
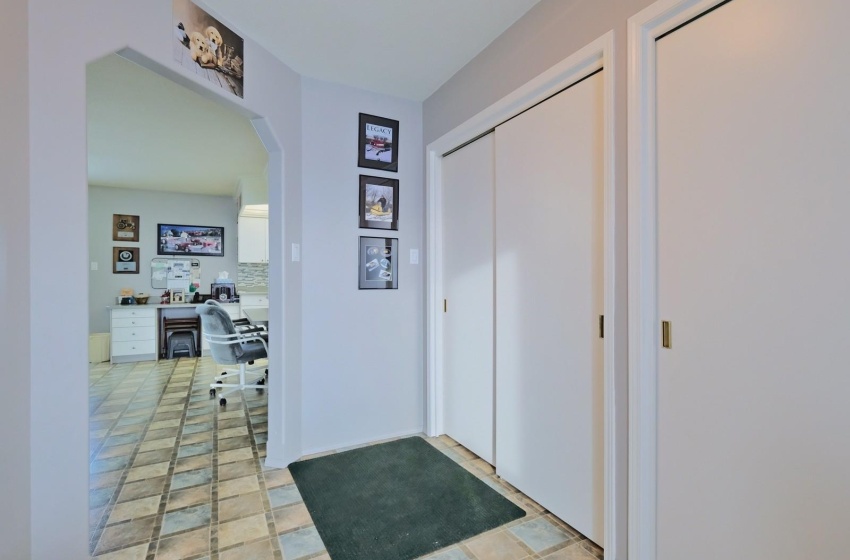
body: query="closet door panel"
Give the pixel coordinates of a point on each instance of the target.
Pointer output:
(468, 289)
(549, 296)
(754, 276)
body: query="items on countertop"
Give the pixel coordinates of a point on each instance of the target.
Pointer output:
(223, 289)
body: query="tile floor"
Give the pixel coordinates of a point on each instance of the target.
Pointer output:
(175, 476)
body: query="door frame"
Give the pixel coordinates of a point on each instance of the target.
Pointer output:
(644, 328)
(596, 55)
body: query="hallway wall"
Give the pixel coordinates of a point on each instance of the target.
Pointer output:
(363, 349)
(14, 282)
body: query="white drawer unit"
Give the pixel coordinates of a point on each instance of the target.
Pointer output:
(130, 312)
(121, 322)
(133, 332)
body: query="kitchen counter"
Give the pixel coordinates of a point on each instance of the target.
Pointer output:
(163, 305)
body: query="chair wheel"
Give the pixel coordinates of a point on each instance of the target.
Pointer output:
(261, 382)
(222, 402)
(212, 393)
(219, 381)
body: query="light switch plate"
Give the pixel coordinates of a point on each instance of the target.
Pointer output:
(414, 256)
(296, 252)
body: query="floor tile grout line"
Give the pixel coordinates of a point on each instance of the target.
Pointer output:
(214, 537)
(101, 526)
(94, 452)
(261, 479)
(166, 490)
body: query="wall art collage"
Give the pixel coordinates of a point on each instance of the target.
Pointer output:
(379, 204)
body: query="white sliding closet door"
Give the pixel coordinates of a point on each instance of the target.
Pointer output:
(754, 276)
(549, 296)
(468, 289)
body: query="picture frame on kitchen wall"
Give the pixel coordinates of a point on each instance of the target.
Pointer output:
(207, 241)
(378, 143)
(378, 203)
(125, 228)
(125, 260)
(378, 263)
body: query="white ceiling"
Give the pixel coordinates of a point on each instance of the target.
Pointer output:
(405, 48)
(146, 132)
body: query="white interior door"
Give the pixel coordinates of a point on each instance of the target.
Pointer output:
(754, 276)
(549, 296)
(468, 289)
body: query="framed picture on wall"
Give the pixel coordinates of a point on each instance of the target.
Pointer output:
(207, 241)
(378, 263)
(378, 143)
(208, 48)
(125, 260)
(378, 202)
(125, 227)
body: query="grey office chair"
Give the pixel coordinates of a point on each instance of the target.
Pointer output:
(231, 346)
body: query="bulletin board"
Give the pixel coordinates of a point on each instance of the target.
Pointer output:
(169, 274)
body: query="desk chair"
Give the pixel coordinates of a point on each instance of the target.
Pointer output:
(229, 346)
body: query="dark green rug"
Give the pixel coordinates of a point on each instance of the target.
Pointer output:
(396, 501)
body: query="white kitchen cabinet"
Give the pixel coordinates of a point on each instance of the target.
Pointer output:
(253, 240)
(133, 331)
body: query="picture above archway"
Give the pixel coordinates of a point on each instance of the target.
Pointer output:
(207, 47)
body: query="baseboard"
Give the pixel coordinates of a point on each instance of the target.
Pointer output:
(355, 444)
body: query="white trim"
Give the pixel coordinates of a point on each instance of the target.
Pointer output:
(596, 55)
(278, 453)
(643, 30)
(355, 444)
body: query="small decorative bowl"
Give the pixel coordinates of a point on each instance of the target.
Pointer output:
(141, 299)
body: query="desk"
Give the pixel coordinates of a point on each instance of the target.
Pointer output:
(136, 330)
(257, 315)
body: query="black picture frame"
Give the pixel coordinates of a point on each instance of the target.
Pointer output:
(378, 263)
(377, 143)
(202, 241)
(378, 203)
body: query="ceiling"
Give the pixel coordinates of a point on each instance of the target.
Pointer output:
(404, 48)
(146, 132)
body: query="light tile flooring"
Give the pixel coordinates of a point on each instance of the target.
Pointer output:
(175, 476)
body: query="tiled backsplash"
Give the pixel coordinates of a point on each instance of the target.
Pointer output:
(252, 274)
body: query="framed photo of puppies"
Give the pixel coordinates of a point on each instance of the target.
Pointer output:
(378, 263)
(378, 143)
(378, 203)
(207, 47)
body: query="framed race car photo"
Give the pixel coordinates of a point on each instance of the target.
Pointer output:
(378, 143)
(196, 240)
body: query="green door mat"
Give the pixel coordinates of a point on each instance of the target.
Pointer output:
(396, 501)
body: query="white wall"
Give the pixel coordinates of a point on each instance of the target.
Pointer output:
(58, 195)
(547, 34)
(152, 208)
(14, 283)
(363, 349)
